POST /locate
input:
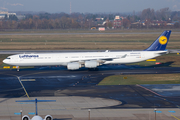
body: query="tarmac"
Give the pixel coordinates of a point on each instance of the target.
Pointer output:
(76, 92)
(79, 108)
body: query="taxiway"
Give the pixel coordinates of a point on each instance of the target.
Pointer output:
(77, 91)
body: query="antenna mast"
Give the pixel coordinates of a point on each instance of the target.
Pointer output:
(70, 7)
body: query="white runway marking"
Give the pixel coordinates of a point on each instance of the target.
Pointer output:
(28, 80)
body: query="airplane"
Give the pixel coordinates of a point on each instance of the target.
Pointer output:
(37, 117)
(91, 60)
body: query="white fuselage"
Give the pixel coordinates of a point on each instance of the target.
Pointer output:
(50, 59)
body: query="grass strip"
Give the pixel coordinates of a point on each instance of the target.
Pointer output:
(141, 79)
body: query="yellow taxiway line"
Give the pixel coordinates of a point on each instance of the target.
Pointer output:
(175, 117)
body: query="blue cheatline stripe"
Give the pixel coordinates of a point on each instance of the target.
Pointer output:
(171, 111)
(158, 111)
(31, 113)
(17, 113)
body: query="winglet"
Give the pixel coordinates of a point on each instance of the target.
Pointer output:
(124, 56)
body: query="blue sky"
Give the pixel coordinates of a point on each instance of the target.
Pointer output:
(90, 6)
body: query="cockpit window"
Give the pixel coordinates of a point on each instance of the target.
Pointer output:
(8, 58)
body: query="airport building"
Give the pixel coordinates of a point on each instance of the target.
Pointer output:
(3, 14)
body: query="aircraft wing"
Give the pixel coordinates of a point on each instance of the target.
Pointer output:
(101, 59)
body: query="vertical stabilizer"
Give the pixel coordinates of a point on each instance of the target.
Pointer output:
(161, 42)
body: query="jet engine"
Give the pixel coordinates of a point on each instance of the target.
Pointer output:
(91, 64)
(25, 117)
(48, 117)
(73, 66)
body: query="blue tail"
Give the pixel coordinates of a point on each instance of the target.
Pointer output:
(161, 42)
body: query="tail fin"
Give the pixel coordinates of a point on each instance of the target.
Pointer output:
(36, 102)
(161, 42)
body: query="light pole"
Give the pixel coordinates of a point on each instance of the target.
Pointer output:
(21, 113)
(155, 112)
(89, 110)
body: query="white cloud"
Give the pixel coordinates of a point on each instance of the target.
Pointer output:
(3, 8)
(172, 0)
(175, 7)
(15, 4)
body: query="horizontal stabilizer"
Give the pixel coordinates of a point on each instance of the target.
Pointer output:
(36, 101)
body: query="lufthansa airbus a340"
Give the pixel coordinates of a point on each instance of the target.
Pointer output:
(76, 60)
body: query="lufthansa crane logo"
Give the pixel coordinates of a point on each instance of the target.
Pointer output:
(163, 40)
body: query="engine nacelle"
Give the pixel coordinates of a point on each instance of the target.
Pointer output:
(91, 64)
(48, 117)
(73, 66)
(25, 117)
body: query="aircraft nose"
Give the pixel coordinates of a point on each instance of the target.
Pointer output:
(5, 61)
